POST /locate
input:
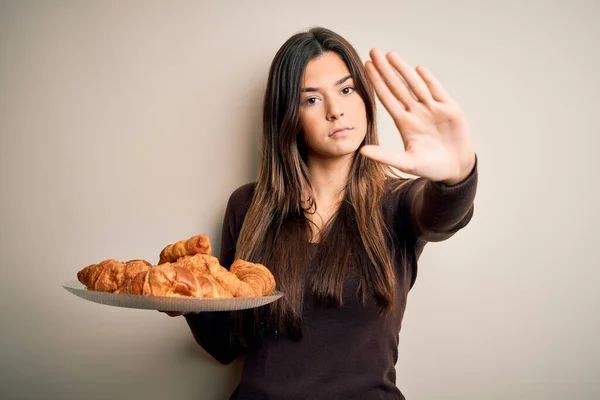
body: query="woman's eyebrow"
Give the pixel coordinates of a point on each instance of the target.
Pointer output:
(339, 82)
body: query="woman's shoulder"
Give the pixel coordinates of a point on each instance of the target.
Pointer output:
(240, 198)
(243, 192)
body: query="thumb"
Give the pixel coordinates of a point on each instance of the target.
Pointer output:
(399, 160)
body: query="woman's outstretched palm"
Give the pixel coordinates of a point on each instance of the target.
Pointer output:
(434, 130)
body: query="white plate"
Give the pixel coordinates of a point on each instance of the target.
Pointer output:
(168, 303)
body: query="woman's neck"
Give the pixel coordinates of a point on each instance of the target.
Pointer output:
(328, 178)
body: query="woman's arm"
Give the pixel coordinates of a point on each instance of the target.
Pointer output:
(212, 330)
(436, 211)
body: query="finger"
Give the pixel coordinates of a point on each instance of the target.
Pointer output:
(414, 81)
(435, 87)
(172, 313)
(401, 161)
(389, 101)
(392, 80)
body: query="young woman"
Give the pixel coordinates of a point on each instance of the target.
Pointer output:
(340, 231)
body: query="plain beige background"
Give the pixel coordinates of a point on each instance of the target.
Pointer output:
(125, 125)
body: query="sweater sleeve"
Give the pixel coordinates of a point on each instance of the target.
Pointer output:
(437, 211)
(212, 330)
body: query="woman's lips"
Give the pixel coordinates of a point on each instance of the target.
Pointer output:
(341, 133)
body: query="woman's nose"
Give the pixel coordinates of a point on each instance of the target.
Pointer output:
(334, 111)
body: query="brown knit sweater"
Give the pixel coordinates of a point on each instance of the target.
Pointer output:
(347, 352)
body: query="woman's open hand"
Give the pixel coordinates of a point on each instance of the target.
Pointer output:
(435, 132)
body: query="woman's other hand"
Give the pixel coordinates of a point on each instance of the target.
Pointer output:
(177, 313)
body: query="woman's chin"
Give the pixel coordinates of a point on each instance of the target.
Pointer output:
(337, 152)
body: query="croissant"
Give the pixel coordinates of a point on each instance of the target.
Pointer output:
(257, 276)
(208, 265)
(109, 275)
(199, 244)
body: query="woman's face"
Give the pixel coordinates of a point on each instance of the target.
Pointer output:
(332, 113)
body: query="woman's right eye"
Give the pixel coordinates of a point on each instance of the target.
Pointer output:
(310, 101)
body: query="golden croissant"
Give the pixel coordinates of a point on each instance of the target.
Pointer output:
(199, 244)
(109, 275)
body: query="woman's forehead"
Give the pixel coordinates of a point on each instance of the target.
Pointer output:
(325, 71)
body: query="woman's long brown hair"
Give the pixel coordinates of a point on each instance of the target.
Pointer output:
(276, 231)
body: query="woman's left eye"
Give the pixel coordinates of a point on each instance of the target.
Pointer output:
(348, 90)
